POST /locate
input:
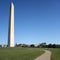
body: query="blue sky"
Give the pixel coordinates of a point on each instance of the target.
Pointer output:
(36, 21)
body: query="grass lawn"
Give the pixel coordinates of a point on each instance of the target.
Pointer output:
(19, 53)
(55, 54)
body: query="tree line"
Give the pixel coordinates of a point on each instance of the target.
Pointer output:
(41, 45)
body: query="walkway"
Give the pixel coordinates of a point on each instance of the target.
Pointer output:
(45, 56)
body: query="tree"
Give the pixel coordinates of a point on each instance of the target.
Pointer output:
(49, 45)
(43, 45)
(54, 46)
(32, 45)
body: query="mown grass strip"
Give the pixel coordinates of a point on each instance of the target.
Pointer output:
(19, 53)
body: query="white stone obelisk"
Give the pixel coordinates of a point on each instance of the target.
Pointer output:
(11, 27)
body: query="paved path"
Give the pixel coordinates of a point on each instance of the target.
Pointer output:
(45, 56)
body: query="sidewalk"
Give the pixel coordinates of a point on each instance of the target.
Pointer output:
(45, 56)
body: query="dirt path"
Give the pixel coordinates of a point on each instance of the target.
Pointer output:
(45, 56)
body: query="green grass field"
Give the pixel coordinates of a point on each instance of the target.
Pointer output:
(26, 53)
(55, 54)
(19, 53)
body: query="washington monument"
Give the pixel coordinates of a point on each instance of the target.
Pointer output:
(11, 27)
